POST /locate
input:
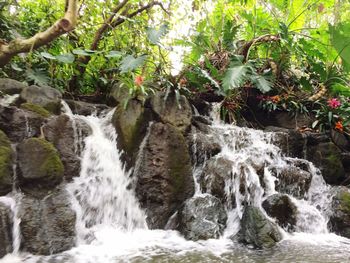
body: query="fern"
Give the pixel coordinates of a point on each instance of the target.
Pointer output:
(261, 83)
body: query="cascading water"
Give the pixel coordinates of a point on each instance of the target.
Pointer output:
(111, 227)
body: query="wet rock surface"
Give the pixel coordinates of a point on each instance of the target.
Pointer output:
(5, 230)
(163, 172)
(202, 217)
(257, 230)
(47, 222)
(339, 221)
(281, 208)
(6, 164)
(11, 86)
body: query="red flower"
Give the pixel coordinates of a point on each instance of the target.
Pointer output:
(139, 80)
(339, 126)
(334, 103)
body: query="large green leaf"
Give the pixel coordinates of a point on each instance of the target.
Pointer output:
(154, 35)
(67, 58)
(340, 38)
(39, 77)
(130, 63)
(234, 76)
(261, 83)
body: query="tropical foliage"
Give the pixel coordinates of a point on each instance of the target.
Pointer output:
(295, 54)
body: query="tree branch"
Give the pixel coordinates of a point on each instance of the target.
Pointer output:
(60, 27)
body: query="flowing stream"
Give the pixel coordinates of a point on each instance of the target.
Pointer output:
(111, 226)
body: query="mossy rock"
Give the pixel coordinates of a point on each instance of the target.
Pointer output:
(36, 108)
(39, 163)
(6, 162)
(131, 124)
(340, 219)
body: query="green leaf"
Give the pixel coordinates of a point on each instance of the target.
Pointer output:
(81, 52)
(47, 55)
(340, 39)
(14, 66)
(114, 54)
(262, 83)
(154, 35)
(39, 77)
(130, 63)
(67, 58)
(234, 76)
(340, 89)
(314, 124)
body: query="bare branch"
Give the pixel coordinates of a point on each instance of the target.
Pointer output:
(60, 27)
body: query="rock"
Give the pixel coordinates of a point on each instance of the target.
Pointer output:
(131, 124)
(291, 142)
(327, 157)
(202, 217)
(60, 132)
(164, 174)
(85, 108)
(341, 140)
(39, 163)
(202, 146)
(36, 108)
(6, 162)
(19, 124)
(172, 110)
(203, 107)
(257, 230)
(11, 86)
(202, 124)
(5, 230)
(120, 93)
(292, 180)
(339, 221)
(281, 208)
(215, 172)
(47, 97)
(47, 223)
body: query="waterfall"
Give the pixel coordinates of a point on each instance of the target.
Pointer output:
(101, 195)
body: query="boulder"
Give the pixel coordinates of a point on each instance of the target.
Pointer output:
(202, 146)
(341, 140)
(60, 132)
(292, 180)
(47, 223)
(47, 97)
(86, 108)
(11, 86)
(131, 124)
(327, 157)
(164, 174)
(202, 217)
(339, 221)
(257, 230)
(172, 109)
(39, 163)
(19, 124)
(281, 207)
(6, 163)
(5, 229)
(36, 108)
(215, 172)
(291, 142)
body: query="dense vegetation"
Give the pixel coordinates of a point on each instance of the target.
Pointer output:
(295, 54)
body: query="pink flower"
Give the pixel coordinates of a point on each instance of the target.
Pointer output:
(139, 80)
(334, 103)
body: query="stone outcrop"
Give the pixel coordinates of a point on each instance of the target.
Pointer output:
(257, 230)
(11, 86)
(85, 108)
(6, 164)
(47, 97)
(5, 230)
(281, 208)
(59, 130)
(47, 223)
(39, 163)
(172, 110)
(339, 221)
(163, 172)
(19, 124)
(202, 217)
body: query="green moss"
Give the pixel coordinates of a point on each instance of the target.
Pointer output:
(37, 109)
(53, 107)
(4, 140)
(5, 162)
(345, 201)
